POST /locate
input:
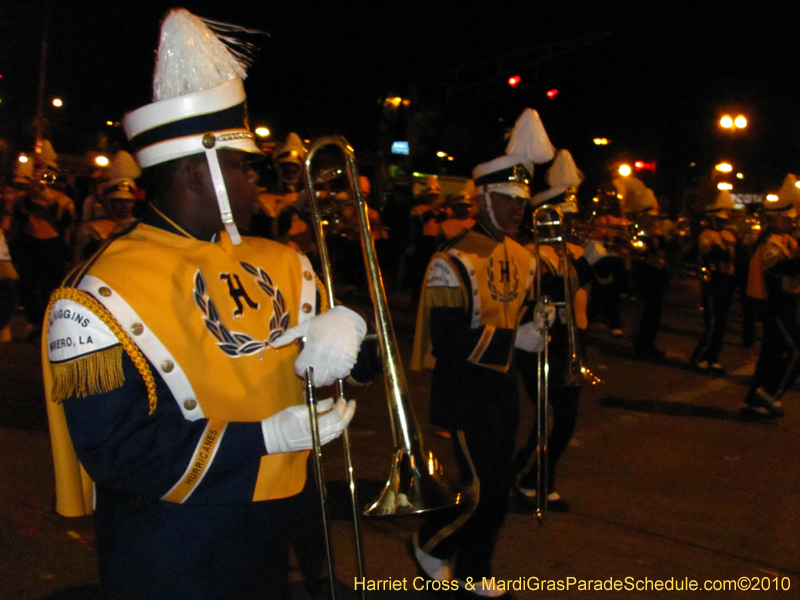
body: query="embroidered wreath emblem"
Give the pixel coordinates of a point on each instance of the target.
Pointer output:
(495, 293)
(235, 343)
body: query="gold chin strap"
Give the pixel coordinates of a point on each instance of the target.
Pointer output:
(101, 371)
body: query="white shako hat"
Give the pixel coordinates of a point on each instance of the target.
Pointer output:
(507, 174)
(789, 192)
(635, 197)
(721, 204)
(292, 151)
(562, 175)
(46, 155)
(199, 102)
(512, 172)
(121, 175)
(784, 204)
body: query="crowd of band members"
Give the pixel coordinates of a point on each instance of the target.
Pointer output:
(49, 226)
(622, 247)
(640, 250)
(643, 248)
(51, 223)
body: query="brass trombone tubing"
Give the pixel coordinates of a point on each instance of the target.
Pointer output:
(311, 402)
(328, 283)
(576, 369)
(414, 483)
(542, 417)
(577, 372)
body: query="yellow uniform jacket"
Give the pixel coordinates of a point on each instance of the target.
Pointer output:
(159, 362)
(475, 293)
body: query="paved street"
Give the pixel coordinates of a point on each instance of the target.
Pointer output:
(666, 482)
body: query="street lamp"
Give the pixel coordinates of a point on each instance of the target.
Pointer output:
(262, 131)
(625, 170)
(728, 122)
(57, 102)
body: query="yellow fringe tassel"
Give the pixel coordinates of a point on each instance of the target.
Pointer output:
(101, 371)
(445, 297)
(96, 373)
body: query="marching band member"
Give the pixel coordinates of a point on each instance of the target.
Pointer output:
(169, 363)
(426, 218)
(564, 383)
(119, 196)
(717, 252)
(8, 289)
(476, 290)
(462, 212)
(611, 273)
(774, 279)
(648, 265)
(278, 207)
(44, 221)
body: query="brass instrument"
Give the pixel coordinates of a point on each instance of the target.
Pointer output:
(619, 237)
(593, 227)
(550, 215)
(415, 483)
(683, 227)
(48, 178)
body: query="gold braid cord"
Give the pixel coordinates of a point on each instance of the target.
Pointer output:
(91, 375)
(323, 295)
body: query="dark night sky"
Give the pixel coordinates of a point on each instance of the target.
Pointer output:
(653, 78)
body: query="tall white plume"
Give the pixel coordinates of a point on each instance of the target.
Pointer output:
(564, 173)
(192, 58)
(529, 138)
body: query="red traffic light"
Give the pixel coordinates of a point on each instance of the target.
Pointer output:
(640, 165)
(514, 80)
(552, 93)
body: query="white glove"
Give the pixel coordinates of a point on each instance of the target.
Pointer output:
(290, 429)
(332, 341)
(531, 337)
(594, 251)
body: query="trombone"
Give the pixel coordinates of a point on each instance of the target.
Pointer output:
(550, 215)
(415, 483)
